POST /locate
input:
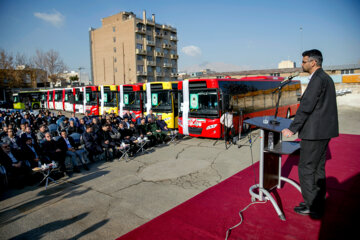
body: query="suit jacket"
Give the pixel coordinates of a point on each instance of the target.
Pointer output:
(62, 144)
(317, 116)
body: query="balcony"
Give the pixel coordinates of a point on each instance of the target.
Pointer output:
(164, 45)
(159, 35)
(174, 56)
(141, 73)
(159, 54)
(169, 65)
(173, 38)
(150, 22)
(140, 30)
(149, 42)
(141, 51)
(159, 74)
(151, 63)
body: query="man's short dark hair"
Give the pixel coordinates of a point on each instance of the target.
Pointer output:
(88, 126)
(315, 55)
(63, 131)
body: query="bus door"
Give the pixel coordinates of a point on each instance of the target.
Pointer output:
(69, 100)
(58, 98)
(92, 100)
(80, 101)
(108, 99)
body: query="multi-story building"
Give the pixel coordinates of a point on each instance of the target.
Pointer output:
(126, 50)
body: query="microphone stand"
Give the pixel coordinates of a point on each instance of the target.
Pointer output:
(274, 121)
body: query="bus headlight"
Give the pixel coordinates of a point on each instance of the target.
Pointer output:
(211, 126)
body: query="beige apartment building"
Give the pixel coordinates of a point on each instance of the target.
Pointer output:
(128, 50)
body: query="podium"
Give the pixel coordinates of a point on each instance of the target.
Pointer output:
(270, 160)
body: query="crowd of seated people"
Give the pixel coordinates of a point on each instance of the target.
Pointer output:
(29, 140)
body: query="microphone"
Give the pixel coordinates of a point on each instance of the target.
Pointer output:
(288, 79)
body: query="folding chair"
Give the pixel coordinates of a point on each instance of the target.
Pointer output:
(141, 144)
(173, 135)
(124, 150)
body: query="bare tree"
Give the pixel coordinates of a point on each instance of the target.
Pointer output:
(51, 62)
(6, 60)
(22, 60)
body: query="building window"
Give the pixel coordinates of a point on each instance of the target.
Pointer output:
(139, 57)
(173, 62)
(139, 36)
(140, 68)
(275, 74)
(139, 46)
(158, 69)
(114, 39)
(347, 71)
(114, 49)
(115, 69)
(150, 79)
(149, 28)
(158, 60)
(166, 51)
(149, 48)
(149, 58)
(115, 59)
(113, 29)
(149, 69)
(149, 38)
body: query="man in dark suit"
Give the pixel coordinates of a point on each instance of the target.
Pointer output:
(90, 141)
(316, 120)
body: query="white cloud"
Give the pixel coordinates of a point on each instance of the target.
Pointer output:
(191, 50)
(55, 18)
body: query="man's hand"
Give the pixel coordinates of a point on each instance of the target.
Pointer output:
(287, 133)
(17, 165)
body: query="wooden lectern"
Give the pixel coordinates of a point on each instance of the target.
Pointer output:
(270, 159)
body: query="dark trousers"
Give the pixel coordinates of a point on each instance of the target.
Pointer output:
(312, 173)
(228, 136)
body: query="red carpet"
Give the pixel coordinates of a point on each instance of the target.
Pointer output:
(209, 214)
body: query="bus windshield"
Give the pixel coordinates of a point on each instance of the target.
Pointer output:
(110, 99)
(91, 98)
(132, 100)
(161, 101)
(203, 103)
(16, 99)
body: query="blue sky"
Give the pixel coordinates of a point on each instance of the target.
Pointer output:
(224, 35)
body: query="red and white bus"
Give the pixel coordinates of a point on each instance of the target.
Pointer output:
(131, 99)
(69, 103)
(50, 99)
(59, 99)
(92, 100)
(203, 101)
(80, 100)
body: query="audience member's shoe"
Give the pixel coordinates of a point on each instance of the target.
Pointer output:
(303, 210)
(86, 167)
(76, 169)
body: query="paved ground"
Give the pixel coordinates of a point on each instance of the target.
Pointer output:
(115, 197)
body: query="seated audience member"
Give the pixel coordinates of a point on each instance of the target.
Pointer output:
(150, 131)
(142, 128)
(21, 130)
(95, 124)
(52, 119)
(162, 129)
(12, 139)
(75, 119)
(82, 126)
(138, 120)
(150, 115)
(64, 125)
(67, 144)
(114, 134)
(126, 122)
(28, 134)
(72, 128)
(31, 153)
(41, 133)
(18, 172)
(60, 115)
(86, 118)
(53, 152)
(124, 133)
(152, 127)
(39, 121)
(3, 133)
(106, 142)
(91, 144)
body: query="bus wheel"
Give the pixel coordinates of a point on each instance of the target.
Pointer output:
(288, 113)
(36, 106)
